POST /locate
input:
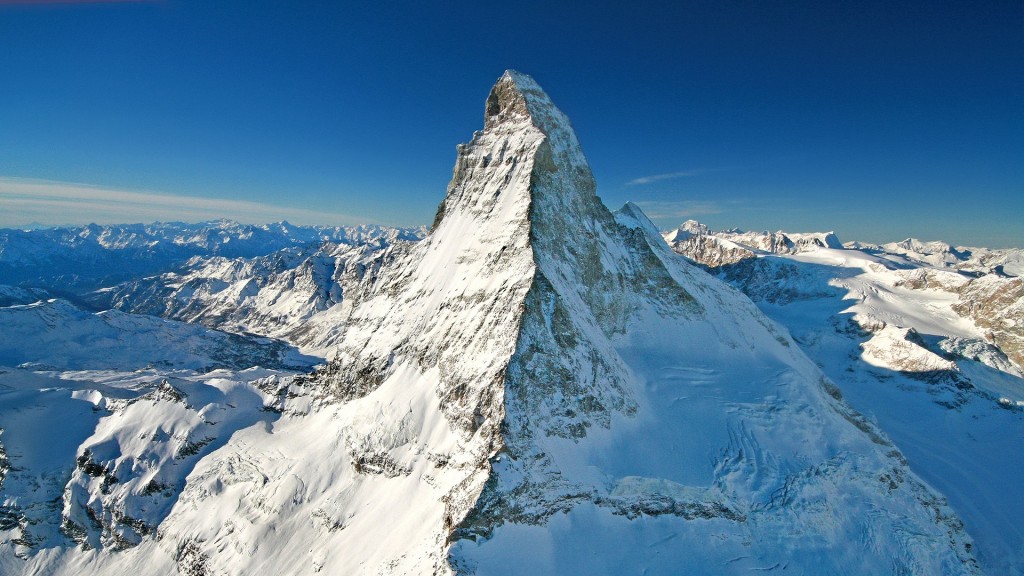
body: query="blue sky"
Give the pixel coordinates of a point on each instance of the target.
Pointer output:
(880, 120)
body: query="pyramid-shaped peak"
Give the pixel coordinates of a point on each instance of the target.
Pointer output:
(516, 98)
(510, 98)
(517, 101)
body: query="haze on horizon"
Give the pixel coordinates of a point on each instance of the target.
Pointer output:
(878, 121)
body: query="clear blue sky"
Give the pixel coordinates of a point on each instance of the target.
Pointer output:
(880, 120)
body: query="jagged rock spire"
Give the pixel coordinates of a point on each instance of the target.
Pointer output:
(516, 97)
(524, 134)
(506, 102)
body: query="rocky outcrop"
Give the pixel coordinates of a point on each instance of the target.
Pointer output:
(996, 304)
(707, 250)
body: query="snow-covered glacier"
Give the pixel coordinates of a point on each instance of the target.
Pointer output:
(922, 338)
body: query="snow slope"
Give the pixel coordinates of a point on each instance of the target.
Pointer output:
(145, 396)
(75, 339)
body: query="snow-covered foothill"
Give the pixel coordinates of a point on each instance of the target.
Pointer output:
(57, 335)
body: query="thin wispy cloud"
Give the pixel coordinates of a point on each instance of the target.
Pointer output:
(659, 177)
(23, 201)
(681, 209)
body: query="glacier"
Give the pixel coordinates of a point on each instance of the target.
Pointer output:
(922, 339)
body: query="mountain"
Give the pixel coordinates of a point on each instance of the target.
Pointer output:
(625, 358)
(287, 294)
(13, 295)
(985, 294)
(536, 386)
(1007, 261)
(920, 337)
(77, 387)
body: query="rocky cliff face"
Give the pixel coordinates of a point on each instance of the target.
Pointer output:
(994, 302)
(538, 386)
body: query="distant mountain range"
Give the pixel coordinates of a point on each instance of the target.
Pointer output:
(88, 257)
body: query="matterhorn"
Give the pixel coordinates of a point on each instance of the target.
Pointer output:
(539, 386)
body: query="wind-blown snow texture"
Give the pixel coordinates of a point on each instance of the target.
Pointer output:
(538, 386)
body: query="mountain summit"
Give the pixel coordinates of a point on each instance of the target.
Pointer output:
(538, 386)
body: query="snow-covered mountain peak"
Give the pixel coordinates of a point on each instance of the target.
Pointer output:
(621, 350)
(694, 227)
(516, 98)
(507, 102)
(636, 218)
(924, 247)
(526, 140)
(686, 230)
